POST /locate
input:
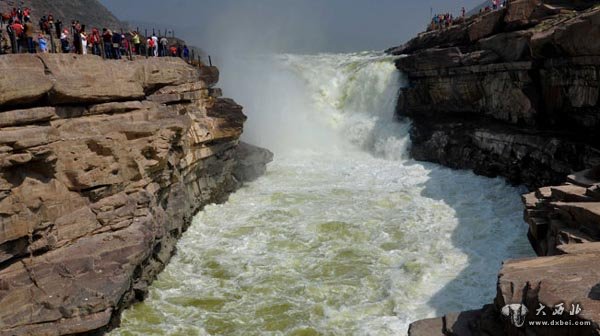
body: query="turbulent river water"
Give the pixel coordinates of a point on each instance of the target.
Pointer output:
(345, 235)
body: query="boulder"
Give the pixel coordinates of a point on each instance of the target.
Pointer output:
(511, 47)
(486, 25)
(250, 162)
(428, 327)
(525, 13)
(546, 282)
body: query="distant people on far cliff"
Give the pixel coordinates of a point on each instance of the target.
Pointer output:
(441, 21)
(163, 47)
(186, 53)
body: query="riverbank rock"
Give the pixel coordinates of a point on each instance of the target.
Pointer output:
(103, 164)
(518, 97)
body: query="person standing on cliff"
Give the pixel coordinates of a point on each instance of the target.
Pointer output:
(17, 30)
(84, 42)
(43, 43)
(94, 41)
(27, 14)
(59, 28)
(135, 39)
(29, 35)
(117, 40)
(463, 12)
(107, 41)
(186, 53)
(64, 41)
(77, 37)
(155, 44)
(164, 47)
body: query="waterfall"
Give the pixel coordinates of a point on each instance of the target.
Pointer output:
(345, 235)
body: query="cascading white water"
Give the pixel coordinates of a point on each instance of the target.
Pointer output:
(345, 235)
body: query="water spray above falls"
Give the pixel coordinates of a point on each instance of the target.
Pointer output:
(345, 235)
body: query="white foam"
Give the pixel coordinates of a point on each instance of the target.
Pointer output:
(344, 235)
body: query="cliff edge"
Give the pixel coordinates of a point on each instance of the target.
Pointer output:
(103, 164)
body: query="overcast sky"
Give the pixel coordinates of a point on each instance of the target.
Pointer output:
(297, 26)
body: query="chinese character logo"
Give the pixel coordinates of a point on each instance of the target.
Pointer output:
(516, 313)
(559, 309)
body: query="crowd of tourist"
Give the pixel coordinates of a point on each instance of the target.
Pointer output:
(50, 35)
(442, 21)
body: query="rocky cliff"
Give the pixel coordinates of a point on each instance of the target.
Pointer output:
(102, 166)
(510, 93)
(515, 93)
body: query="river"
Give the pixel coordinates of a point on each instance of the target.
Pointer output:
(345, 234)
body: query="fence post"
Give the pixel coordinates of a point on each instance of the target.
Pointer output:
(209, 60)
(52, 44)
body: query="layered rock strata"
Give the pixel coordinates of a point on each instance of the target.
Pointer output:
(510, 93)
(514, 93)
(103, 164)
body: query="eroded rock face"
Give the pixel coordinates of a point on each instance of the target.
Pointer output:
(516, 94)
(519, 98)
(103, 165)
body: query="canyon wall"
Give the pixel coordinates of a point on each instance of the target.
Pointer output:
(103, 164)
(510, 93)
(515, 93)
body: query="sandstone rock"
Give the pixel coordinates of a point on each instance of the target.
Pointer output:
(81, 79)
(579, 248)
(431, 59)
(523, 13)
(512, 46)
(428, 327)
(521, 102)
(209, 74)
(485, 25)
(26, 117)
(570, 193)
(250, 162)
(568, 279)
(23, 80)
(569, 37)
(94, 193)
(452, 36)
